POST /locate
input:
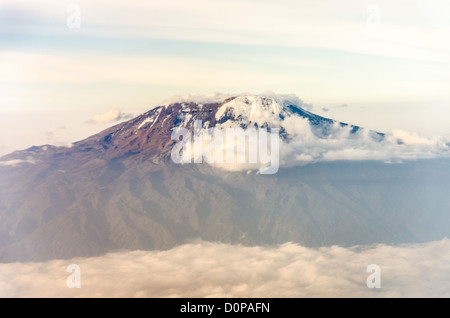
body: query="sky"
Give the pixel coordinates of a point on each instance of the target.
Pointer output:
(69, 69)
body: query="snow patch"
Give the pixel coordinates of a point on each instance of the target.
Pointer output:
(186, 118)
(255, 109)
(151, 119)
(145, 121)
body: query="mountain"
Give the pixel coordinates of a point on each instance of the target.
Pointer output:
(119, 189)
(148, 136)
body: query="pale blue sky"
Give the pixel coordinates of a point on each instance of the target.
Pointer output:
(132, 55)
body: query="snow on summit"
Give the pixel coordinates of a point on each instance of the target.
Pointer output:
(257, 109)
(220, 97)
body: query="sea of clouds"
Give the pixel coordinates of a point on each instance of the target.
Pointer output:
(207, 269)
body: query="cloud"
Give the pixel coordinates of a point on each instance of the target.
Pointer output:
(341, 106)
(17, 162)
(305, 146)
(57, 139)
(325, 24)
(205, 269)
(109, 117)
(325, 109)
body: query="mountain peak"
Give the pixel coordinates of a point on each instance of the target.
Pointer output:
(148, 136)
(257, 109)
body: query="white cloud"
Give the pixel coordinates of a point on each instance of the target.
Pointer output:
(398, 145)
(17, 162)
(409, 138)
(109, 117)
(205, 269)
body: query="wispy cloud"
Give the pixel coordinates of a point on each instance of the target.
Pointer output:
(110, 116)
(17, 162)
(205, 269)
(338, 26)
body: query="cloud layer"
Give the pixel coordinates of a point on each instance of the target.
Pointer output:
(204, 269)
(346, 26)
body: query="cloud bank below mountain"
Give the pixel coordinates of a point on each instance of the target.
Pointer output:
(205, 269)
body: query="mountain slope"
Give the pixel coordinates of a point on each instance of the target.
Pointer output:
(120, 190)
